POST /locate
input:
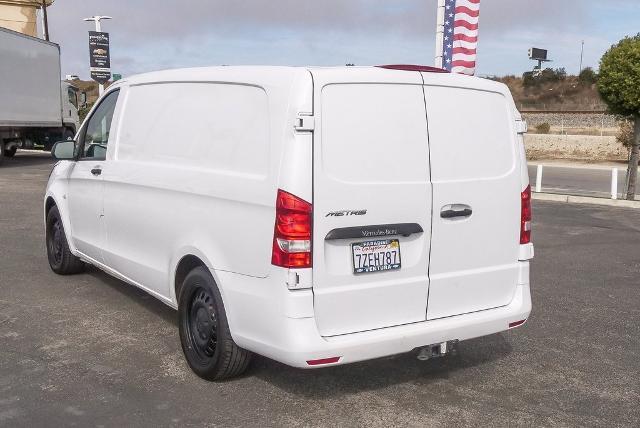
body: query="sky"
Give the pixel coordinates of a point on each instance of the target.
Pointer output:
(154, 35)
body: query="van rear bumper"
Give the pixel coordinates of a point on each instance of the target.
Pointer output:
(300, 341)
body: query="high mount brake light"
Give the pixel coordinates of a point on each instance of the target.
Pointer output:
(525, 216)
(292, 232)
(412, 67)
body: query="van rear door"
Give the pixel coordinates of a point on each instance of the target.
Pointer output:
(476, 199)
(371, 200)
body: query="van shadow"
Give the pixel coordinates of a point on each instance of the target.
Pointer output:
(338, 381)
(141, 298)
(378, 374)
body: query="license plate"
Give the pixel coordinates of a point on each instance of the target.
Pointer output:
(376, 256)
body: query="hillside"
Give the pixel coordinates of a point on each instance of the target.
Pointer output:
(558, 92)
(555, 92)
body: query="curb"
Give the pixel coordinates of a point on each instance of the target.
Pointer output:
(586, 200)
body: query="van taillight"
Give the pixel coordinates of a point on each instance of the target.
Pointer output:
(525, 216)
(292, 232)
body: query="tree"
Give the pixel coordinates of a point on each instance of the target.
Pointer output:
(619, 87)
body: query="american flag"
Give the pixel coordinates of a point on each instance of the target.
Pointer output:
(460, 35)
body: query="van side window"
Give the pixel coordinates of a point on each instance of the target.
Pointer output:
(96, 135)
(218, 127)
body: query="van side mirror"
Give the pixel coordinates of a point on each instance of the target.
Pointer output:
(64, 150)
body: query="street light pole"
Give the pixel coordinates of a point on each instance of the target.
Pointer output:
(45, 21)
(581, 56)
(96, 19)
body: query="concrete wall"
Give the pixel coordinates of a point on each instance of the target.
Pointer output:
(578, 147)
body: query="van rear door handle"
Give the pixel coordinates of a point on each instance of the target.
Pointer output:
(456, 211)
(96, 170)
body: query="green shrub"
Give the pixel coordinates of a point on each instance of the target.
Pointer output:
(587, 76)
(543, 128)
(625, 133)
(84, 111)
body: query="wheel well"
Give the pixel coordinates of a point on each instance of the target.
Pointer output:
(48, 205)
(185, 265)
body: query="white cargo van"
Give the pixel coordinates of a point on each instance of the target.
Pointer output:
(316, 216)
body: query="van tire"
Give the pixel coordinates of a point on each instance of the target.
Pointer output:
(61, 260)
(204, 330)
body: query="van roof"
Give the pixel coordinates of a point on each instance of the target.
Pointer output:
(283, 75)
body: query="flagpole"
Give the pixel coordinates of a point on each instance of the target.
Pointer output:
(440, 33)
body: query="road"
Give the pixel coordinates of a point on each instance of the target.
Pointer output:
(89, 350)
(584, 181)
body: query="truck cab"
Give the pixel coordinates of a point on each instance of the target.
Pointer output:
(69, 97)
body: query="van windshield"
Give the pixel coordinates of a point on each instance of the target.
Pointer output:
(73, 97)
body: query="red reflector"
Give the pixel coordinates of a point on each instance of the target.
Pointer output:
(323, 361)
(516, 323)
(412, 67)
(292, 232)
(525, 216)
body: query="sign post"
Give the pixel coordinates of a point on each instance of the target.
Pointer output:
(440, 33)
(99, 59)
(99, 56)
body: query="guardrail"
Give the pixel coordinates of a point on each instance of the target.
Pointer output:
(613, 189)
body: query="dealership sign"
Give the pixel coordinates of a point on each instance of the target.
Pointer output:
(99, 61)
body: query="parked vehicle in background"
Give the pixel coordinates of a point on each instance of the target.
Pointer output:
(316, 216)
(37, 108)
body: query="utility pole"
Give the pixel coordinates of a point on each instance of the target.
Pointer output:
(45, 21)
(440, 34)
(96, 19)
(581, 56)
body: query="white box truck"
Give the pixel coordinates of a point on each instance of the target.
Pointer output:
(35, 106)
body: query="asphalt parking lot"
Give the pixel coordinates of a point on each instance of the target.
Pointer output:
(89, 350)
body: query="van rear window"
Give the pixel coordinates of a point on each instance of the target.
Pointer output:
(221, 127)
(374, 133)
(470, 134)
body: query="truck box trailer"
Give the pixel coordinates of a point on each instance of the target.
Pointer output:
(35, 106)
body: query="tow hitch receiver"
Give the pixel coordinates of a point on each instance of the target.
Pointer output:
(438, 350)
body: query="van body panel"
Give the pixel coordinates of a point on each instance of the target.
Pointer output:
(371, 157)
(216, 167)
(474, 157)
(294, 341)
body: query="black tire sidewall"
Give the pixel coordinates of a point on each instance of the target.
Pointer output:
(10, 153)
(201, 278)
(52, 215)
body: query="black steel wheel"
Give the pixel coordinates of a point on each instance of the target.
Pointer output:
(202, 324)
(204, 331)
(61, 260)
